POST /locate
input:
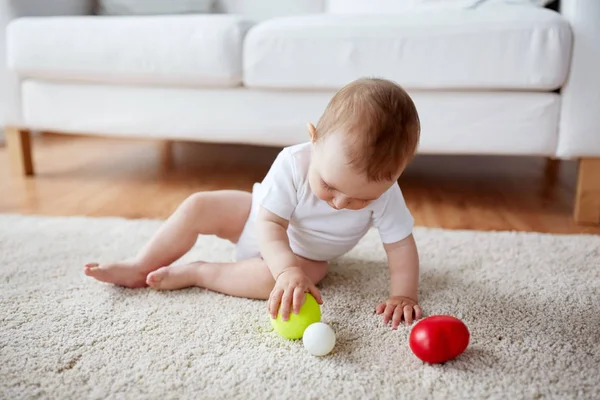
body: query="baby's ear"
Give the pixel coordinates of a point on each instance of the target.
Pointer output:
(312, 132)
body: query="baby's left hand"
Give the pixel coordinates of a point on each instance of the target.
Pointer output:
(397, 307)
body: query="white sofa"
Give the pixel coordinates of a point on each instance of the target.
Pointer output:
(489, 79)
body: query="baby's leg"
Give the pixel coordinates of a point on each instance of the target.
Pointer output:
(250, 278)
(221, 213)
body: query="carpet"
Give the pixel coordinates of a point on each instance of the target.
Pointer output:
(531, 302)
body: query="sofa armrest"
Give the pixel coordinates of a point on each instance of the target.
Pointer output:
(579, 132)
(11, 9)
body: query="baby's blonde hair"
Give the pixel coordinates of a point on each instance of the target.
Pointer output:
(381, 122)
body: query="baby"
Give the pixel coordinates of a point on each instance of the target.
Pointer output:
(316, 202)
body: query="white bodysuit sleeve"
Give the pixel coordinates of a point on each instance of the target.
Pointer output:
(280, 186)
(391, 216)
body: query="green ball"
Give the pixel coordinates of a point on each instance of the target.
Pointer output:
(294, 327)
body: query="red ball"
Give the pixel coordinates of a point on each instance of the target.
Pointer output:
(439, 338)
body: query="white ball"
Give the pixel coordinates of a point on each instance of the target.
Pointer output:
(319, 339)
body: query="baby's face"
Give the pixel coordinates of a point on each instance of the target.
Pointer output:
(332, 180)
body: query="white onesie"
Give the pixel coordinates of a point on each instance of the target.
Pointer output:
(316, 230)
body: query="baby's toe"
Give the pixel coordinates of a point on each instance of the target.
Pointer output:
(97, 273)
(155, 278)
(89, 268)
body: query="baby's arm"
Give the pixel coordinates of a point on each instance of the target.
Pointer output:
(290, 280)
(274, 243)
(403, 260)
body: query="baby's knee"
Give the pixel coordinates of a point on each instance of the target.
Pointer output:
(194, 202)
(315, 271)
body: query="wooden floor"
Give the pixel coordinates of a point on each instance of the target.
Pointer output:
(129, 178)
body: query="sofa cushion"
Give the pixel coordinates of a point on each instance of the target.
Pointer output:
(203, 50)
(153, 7)
(264, 9)
(395, 6)
(512, 47)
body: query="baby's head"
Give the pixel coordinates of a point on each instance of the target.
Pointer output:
(365, 138)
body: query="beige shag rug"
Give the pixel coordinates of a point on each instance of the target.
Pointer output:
(531, 302)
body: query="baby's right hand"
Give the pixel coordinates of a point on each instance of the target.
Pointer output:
(290, 288)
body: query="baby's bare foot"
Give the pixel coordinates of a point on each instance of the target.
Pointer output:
(174, 277)
(124, 273)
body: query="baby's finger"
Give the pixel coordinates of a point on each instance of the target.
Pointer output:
(397, 317)
(316, 293)
(286, 303)
(418, 312)
(299, 298)
(380, 307)
(274, 301)
(387, 314)
(408, 314)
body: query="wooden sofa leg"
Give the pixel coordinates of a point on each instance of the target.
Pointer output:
(587, 200)
(552, 169)
(166, 154)
(551, 174)
(18, 142)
